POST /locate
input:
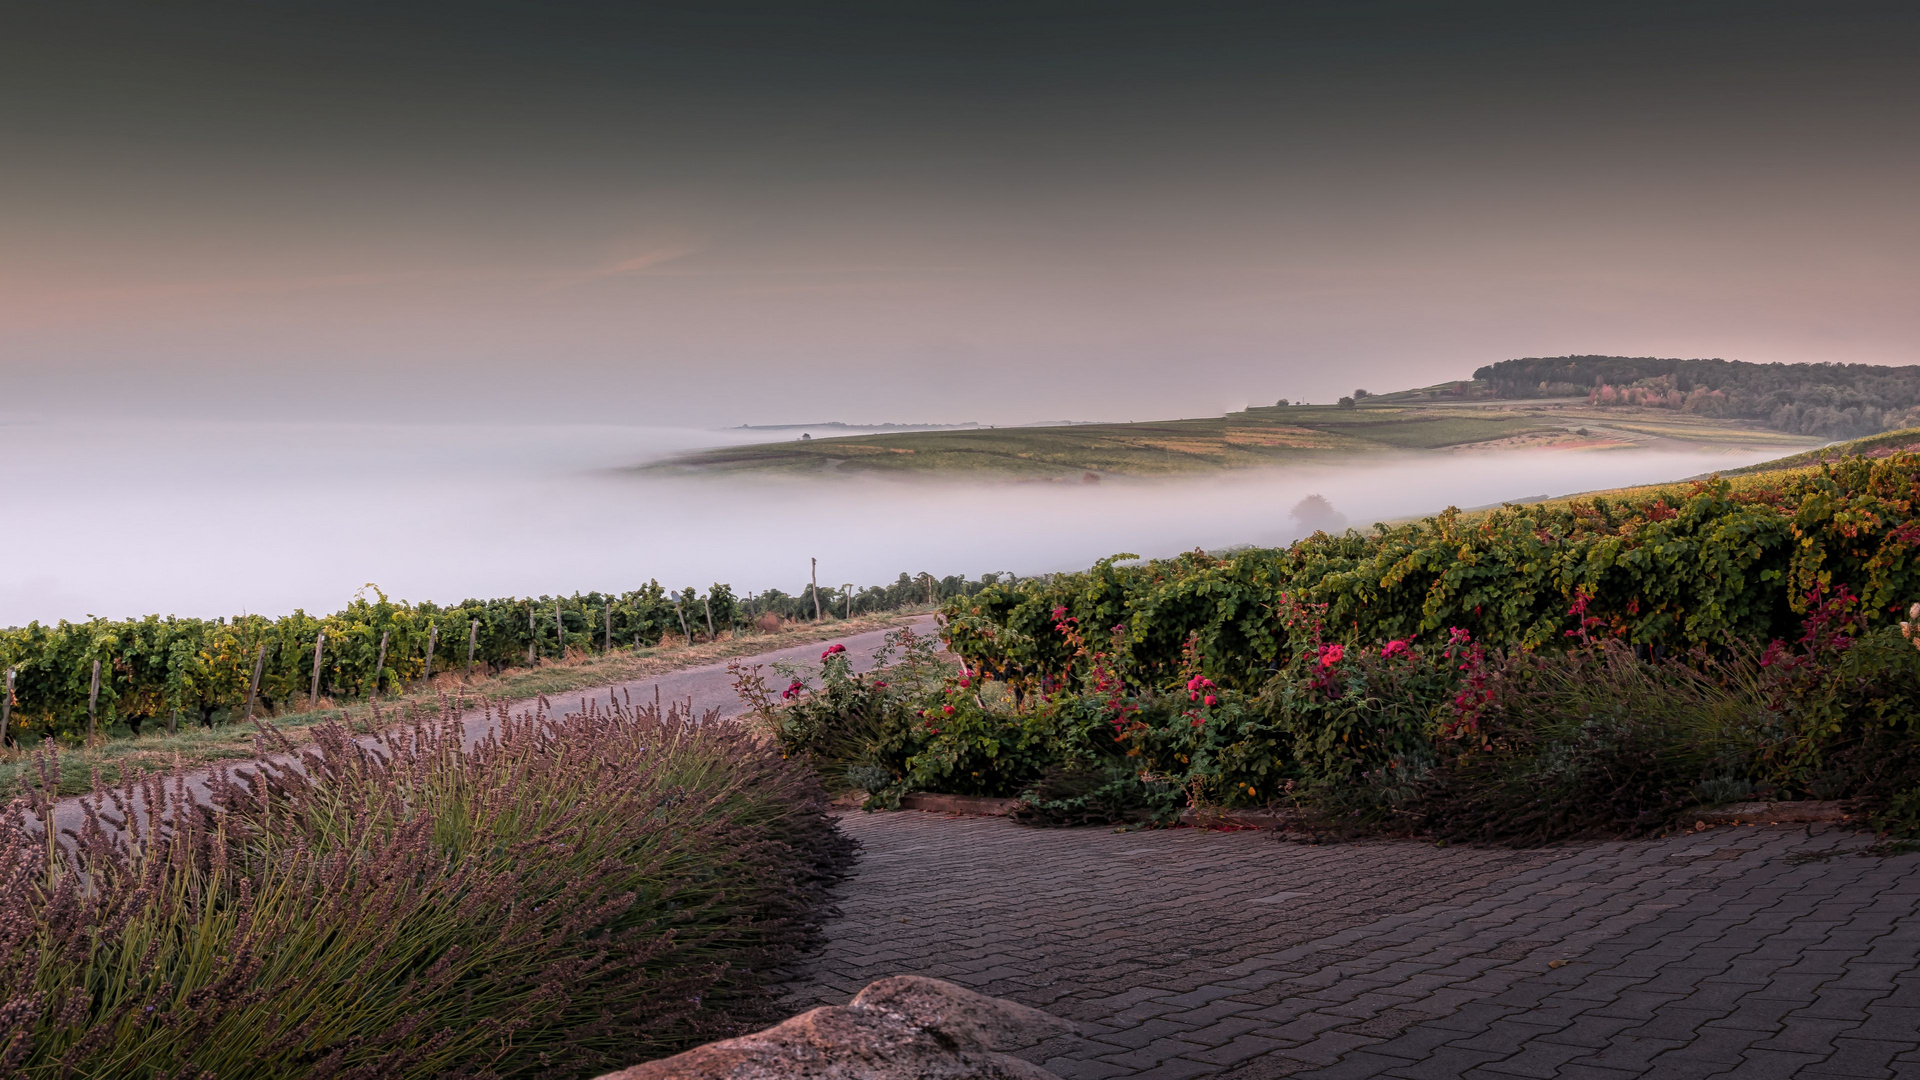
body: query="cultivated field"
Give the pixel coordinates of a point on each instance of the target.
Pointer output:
(1263, 436)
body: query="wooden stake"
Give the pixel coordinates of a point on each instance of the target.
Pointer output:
(849, 587)
(816, 589)
(253, 686)
(6, 712)
(433, 640)
(707, 602)
(559, 628)
(533, 635)
(313, 695)
(473, 642)
(173, 722)
(683, 622)
(606, 641)
(93, 700)
(380, 665)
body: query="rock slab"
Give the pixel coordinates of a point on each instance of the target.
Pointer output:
(905, 1027)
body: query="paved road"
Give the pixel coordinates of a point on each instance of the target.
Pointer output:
(1739, 952)
(706, 687)
(710, 687)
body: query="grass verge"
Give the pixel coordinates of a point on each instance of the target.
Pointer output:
(119, 755)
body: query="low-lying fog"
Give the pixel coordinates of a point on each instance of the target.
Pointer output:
(224, 519)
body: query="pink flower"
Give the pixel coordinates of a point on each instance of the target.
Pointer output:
(948, 709)
(832, 649)
(1211, 700)
(1331, 654)
(1060, 612)
(1397, 648)
(879, 686)
(966, 682)
(792, 691)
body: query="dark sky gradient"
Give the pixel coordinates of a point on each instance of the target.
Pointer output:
(712, 214)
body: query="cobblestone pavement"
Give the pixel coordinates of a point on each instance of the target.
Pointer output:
(1738, 952)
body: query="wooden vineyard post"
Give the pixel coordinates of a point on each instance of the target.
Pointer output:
(253, 684)
(380, 665)
(816, 589)
(849, 587)
(313, 695)
(533, 635)
(473, 642)
(707, 602)
(559, 628)
(173, 721)
(93, 701)
(433, 640)
(606, 640)
(6, 712)
(683, 622)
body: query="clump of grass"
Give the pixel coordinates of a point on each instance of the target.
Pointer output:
(1598, 742)
(567, 896)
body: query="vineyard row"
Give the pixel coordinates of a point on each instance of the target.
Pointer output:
(1706, 565)
(77, 679)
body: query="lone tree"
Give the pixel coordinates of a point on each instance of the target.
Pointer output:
(1360, 394)
(1346, 403)
(1315, 514)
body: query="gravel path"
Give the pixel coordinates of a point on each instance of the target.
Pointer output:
(1738, 952)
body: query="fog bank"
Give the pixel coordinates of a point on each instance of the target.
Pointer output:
(224, 519)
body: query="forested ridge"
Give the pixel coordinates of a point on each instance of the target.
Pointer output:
(1828, 400)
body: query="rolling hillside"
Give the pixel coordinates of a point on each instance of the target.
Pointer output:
(1434, 420)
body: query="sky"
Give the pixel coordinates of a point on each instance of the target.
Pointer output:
(706, 214)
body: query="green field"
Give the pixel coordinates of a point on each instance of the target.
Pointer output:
(1398, 423)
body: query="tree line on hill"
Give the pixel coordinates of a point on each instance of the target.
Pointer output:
(1826, 400)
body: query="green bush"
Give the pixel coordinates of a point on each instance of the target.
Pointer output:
(1595, 741)
(1456, 742)
(912, 725)
(566, 897)
(1696, 566)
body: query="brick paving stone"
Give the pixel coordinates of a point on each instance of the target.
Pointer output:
(1737, 952)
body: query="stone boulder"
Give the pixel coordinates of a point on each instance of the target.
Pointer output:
(906, 1027)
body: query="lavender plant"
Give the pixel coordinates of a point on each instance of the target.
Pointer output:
(567, 896)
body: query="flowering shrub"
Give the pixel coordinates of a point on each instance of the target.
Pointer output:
(1451, 738)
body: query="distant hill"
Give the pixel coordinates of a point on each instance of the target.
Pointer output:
(1822, 400)
(1451, 418)
(1873, 446)
(841, 425)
